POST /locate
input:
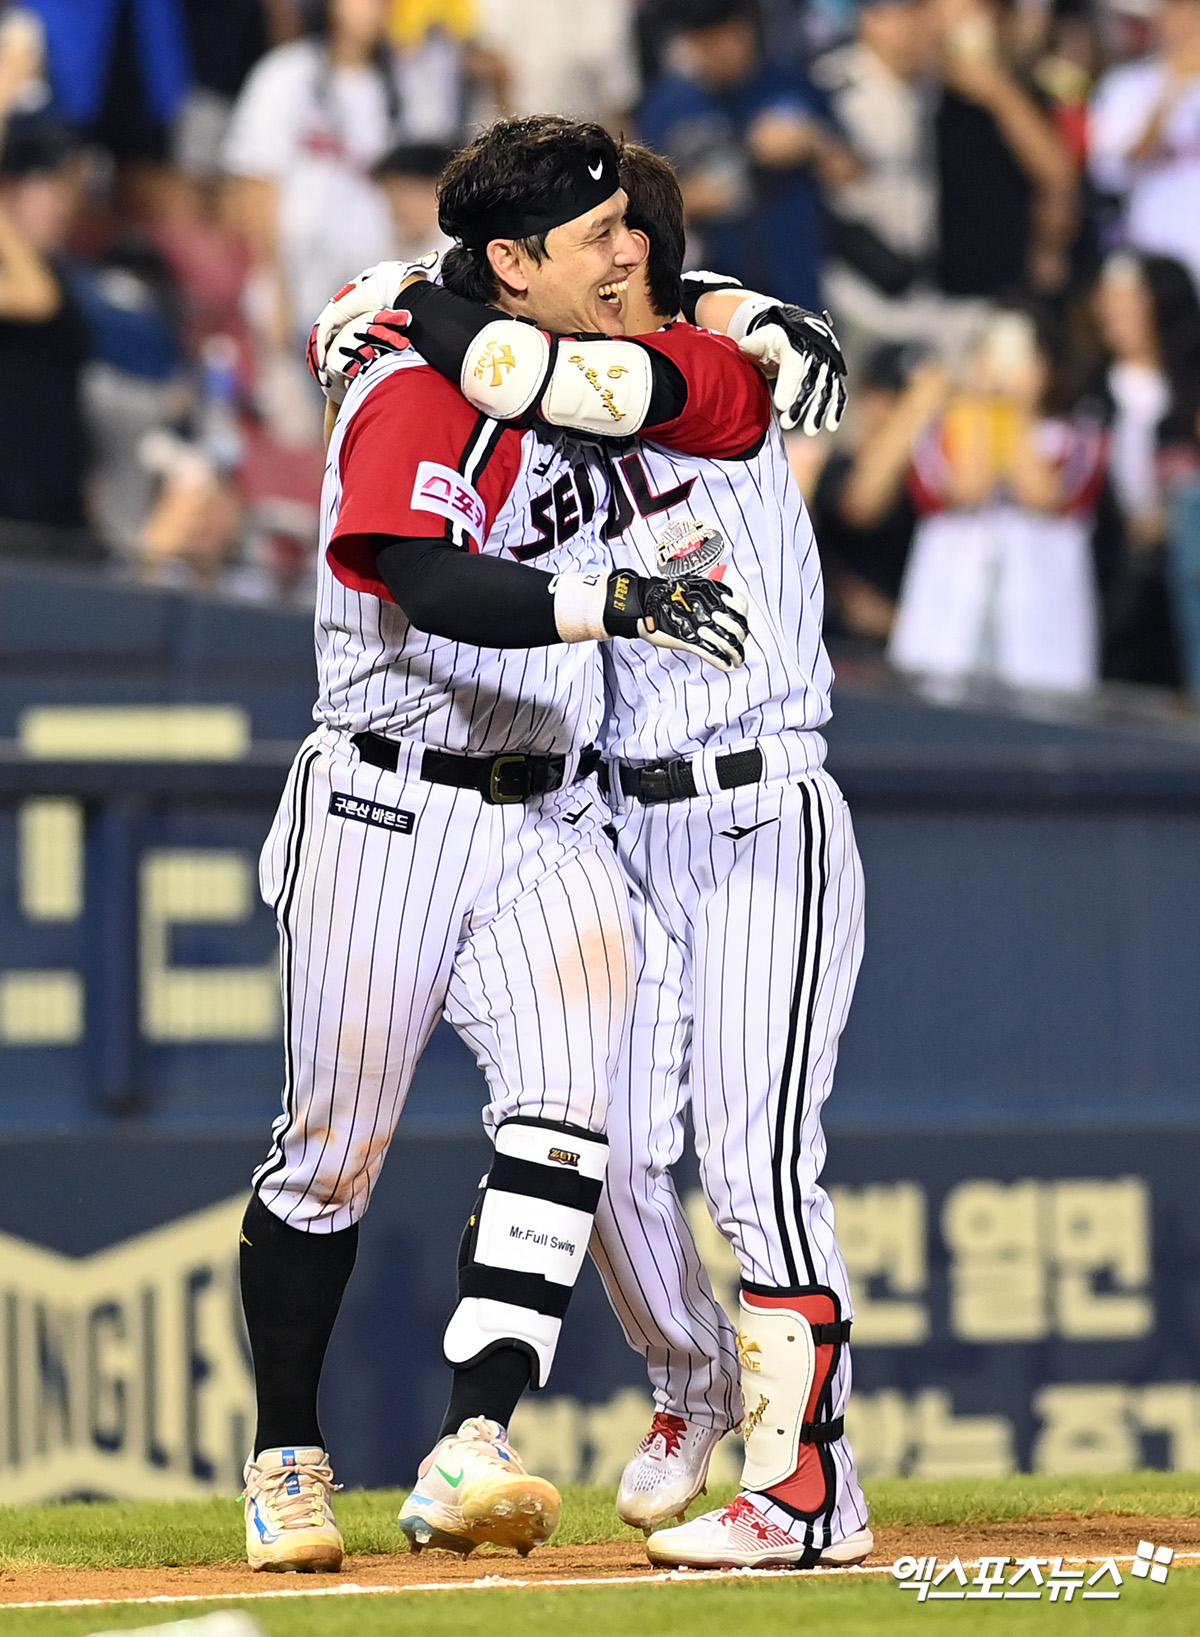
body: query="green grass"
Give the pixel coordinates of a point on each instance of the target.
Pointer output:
(843, 1608)
(154, 1534)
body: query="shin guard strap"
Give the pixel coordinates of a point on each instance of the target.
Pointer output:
(830, 1335)
(823, 1432)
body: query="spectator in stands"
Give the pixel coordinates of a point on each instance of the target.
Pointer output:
(1007, 186)
(44, 343)
(571, 59)
(1147, 383)
(225, 40)
(751, 142)
(313, 119)
(1000, 581)
(863, 512)
(1145, 138)
(883, 227)
(119, 70)
(130, 384)
(408, 174)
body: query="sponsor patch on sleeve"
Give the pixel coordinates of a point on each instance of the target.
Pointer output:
(372, 812)
(446, 492)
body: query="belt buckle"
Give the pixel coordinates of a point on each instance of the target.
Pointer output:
(497, 794)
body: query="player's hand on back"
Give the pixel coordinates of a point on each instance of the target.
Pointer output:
(800, 349)
(694, 615)
(375, 288)
(360, 342)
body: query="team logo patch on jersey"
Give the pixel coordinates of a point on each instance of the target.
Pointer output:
(438, 489)
(372, 812)
(689, 547)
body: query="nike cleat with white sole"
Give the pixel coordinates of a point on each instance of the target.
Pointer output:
(666, 1473)
(472, 1488)
(741, 1536)
(290, 1527)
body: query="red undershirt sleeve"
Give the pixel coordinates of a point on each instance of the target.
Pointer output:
(728, 407)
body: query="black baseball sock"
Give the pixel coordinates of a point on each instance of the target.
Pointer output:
(292, 1286)
(492, 1388)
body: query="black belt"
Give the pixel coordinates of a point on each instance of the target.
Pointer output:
(674, 780)
(510, 777)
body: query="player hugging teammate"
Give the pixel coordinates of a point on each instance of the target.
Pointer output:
(649, 475)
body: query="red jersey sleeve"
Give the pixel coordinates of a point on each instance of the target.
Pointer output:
(417, 461)
(728, 403)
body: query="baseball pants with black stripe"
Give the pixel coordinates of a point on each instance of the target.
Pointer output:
(400, 901)
(748, 925)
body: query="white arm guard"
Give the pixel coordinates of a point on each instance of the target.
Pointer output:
(601, 387)
(504, 374)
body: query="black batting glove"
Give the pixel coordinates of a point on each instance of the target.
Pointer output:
(694, 615)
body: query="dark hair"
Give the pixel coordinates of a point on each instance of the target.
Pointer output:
(1175, 314)
(425, 159)
(318, 24)
(1176, 308)
(889, 366)
(681, 16)
(37, 142)
(656, 209)
(516, 161)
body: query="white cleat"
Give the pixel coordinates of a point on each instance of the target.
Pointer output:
(666, 1473)
(289, 1521)
(473, 1488)
(738, 1536)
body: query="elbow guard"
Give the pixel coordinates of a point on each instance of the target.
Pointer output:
(599, 387)
(506, 369)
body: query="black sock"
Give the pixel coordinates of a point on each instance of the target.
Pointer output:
(292, 1285)
(491, 1387)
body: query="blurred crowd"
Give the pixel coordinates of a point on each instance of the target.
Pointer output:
(998, 200)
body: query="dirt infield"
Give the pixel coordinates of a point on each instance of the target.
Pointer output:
(1064, 1535)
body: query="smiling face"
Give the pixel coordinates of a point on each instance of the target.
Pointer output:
(581, 283)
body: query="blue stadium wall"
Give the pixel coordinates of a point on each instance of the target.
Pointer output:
(1014, 1134)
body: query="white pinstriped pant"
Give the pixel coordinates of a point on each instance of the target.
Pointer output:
(746, 949)
(509, 921)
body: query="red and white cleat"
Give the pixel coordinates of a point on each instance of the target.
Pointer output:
(667, 1472)
(740, 1536)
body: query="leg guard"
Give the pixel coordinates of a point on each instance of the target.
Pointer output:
(788, 1345)
(526, 1241)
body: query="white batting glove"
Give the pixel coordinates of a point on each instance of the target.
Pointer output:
(800, 349)
(374, 288)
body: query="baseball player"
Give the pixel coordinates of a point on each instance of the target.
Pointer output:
(747, 900)
(437, 852)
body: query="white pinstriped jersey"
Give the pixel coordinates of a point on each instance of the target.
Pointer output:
(661, 703)
(410, 457)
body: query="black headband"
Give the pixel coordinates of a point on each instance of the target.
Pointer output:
(587, 184)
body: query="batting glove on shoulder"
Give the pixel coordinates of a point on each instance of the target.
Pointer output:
(810, 383)
(374, 288)
(694, 615)
(360, 342)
